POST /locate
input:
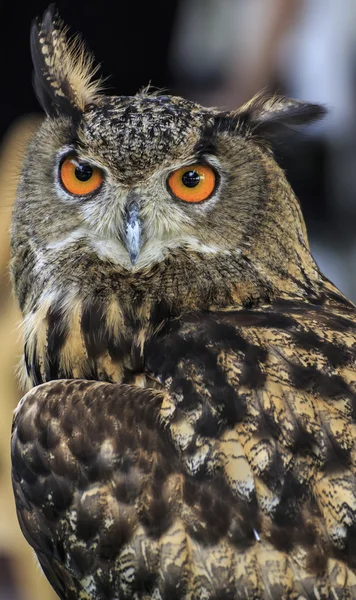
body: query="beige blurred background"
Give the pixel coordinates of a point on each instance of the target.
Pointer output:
(217, 52)
(20, 576)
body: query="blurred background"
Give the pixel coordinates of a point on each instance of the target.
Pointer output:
(217, 52)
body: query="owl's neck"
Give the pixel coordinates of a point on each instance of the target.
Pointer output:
(96, 328)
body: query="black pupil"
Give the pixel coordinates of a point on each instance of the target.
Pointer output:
(191, 179)
(83, 172)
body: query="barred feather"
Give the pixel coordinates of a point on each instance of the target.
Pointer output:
(63, 68)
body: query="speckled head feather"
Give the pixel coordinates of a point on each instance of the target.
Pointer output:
(63, 68)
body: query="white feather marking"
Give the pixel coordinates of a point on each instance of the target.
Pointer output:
(256, 534)
(107, 451)
(68, 240)
(152, 252)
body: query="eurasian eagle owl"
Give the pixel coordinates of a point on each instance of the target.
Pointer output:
(194, 435)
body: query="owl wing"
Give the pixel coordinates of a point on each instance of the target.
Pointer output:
(237, 480)
(264, 401)
(95, 480)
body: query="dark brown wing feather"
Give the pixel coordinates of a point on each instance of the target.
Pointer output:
(89, 463)
(236, 481)
(270, 397)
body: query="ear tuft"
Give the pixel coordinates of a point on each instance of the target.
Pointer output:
(268, 116)
(63, 68)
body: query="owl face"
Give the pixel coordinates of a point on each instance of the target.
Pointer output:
(137, 177)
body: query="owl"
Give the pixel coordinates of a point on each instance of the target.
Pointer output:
(189, 432)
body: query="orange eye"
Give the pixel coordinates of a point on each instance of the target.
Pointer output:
(80, 178)
(192, 184)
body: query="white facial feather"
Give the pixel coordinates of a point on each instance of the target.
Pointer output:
(152, 252)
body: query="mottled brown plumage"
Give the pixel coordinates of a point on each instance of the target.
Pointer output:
(232, 475)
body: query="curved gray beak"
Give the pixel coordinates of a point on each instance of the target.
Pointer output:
(133, 228)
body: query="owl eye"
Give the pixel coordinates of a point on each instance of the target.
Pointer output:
(194, 183)
(80, 178)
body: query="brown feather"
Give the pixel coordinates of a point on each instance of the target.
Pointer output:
(226, 468)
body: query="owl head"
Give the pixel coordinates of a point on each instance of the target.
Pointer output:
(151, 181)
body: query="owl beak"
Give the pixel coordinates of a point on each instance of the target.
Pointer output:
(133, 230)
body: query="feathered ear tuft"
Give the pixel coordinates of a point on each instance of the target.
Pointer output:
(268, 116)
(63, 68)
